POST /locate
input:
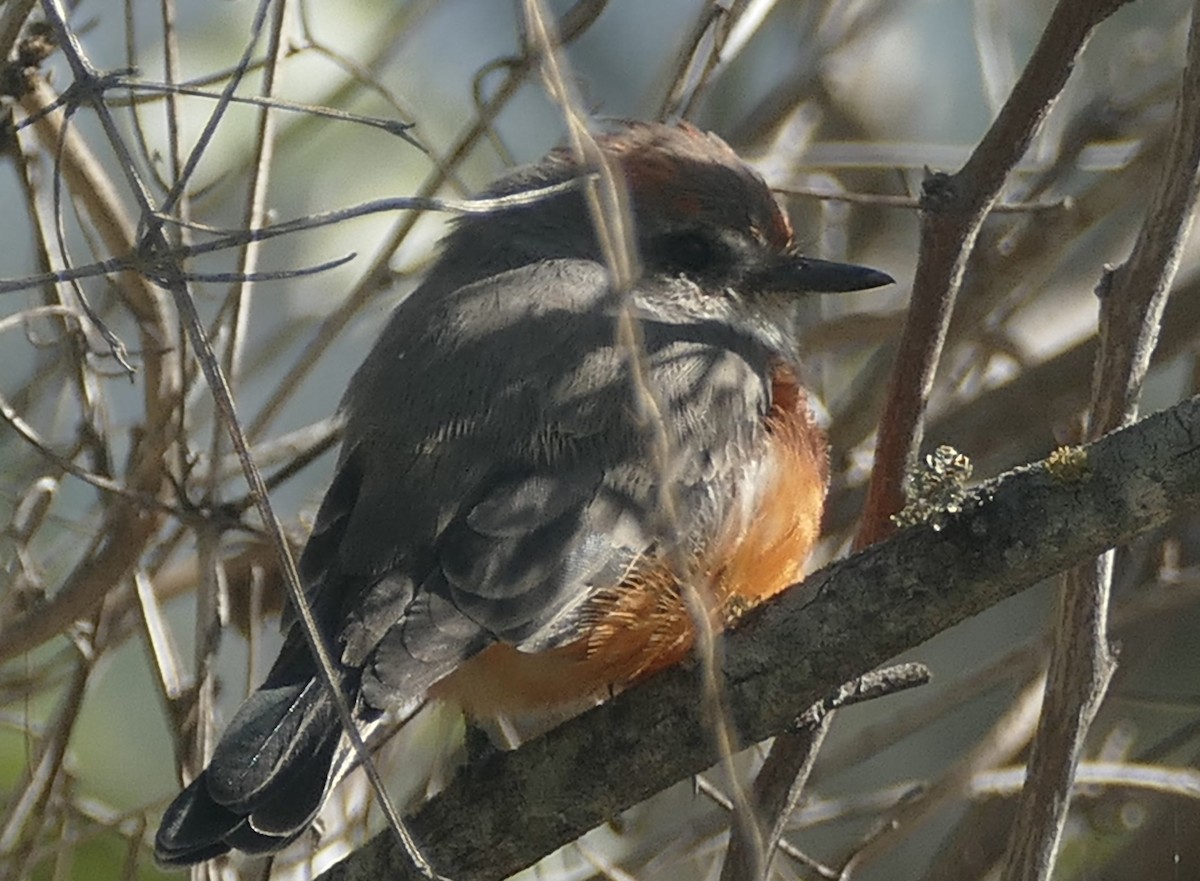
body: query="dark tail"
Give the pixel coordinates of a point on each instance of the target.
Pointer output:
(269, 773)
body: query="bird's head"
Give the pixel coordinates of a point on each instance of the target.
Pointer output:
(700, 214)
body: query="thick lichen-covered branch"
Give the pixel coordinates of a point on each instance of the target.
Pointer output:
(848, 618)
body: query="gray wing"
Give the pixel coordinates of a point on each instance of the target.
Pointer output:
(496, 470)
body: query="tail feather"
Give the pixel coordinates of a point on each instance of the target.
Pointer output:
(194, 827)
(268, 775)
(295, 799)
(270, 772)
(278, 730)
(249, 841)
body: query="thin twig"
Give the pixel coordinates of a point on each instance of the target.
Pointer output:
(1007, 736)
(237, 237)
(785, 773)
(887, 201)
(707, 788)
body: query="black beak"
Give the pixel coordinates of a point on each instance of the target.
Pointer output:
(800, 275)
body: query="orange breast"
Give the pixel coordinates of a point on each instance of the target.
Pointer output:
(641, 625)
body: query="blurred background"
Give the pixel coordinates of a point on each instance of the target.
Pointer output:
(843, 106)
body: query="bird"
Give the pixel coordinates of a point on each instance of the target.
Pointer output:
(523, 499)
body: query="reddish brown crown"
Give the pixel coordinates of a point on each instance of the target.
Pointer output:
(679, 173)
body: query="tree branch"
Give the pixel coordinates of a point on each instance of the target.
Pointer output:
(952, 210)
(507, 813)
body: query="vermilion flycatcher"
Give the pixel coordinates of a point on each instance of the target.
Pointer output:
(495, 534)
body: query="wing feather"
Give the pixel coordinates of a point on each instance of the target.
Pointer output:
(507, 471)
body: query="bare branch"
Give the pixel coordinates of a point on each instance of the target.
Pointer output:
(845, 619)
(953, 208)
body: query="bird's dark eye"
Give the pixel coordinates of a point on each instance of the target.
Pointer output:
(692, 252)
